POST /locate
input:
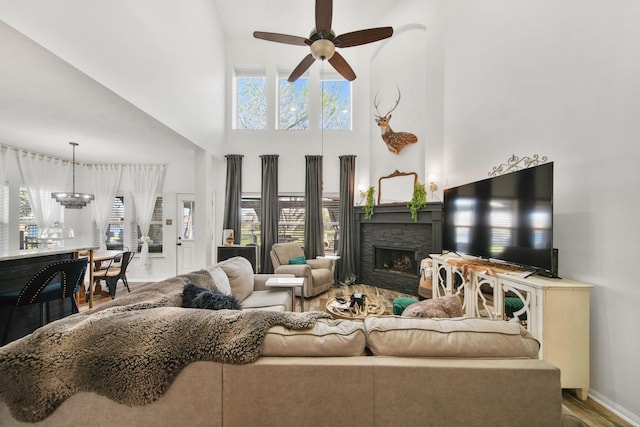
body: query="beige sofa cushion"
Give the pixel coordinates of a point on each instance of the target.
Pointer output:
(220, 279)
(285, 251)
(240, 274)
(270, 298)
(458, 337)
(327, 338)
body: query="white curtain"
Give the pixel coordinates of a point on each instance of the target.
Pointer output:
(4, 215)
(4, 156)
(43, 175)
(105, 180)
(146, 183)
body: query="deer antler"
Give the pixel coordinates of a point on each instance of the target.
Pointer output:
(376, 103)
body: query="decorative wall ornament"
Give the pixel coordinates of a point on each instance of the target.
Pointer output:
(515, 163)
(396, 141)
(396, 188)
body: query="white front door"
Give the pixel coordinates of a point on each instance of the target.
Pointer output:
(185, 251)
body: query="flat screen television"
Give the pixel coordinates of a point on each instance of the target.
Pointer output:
(507, 217)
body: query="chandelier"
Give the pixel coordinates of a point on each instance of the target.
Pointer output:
(73, 200)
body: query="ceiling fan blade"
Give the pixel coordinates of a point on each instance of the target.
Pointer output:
(341, 66)
(301, 68)
(281, 38)
(357, 38)
(324, 11)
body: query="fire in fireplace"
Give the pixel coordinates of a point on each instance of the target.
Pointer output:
(395, 260)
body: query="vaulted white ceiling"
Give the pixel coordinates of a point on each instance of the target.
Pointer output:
(134, 76)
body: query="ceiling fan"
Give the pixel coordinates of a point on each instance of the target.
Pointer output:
(323, 42)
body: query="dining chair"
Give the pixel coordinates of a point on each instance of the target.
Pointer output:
(117, 260)
(58, 280)
(114, 273)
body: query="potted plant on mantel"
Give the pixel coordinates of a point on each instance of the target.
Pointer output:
(418, 200)
(368, 207)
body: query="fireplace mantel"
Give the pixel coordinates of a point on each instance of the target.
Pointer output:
(392, 227)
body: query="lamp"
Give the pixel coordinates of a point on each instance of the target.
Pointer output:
(322, 49)
(73, 200)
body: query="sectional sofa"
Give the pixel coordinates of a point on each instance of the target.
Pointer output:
(385, 371)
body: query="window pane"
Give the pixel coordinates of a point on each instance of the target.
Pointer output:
(293, 104)
(115, 229)
(291, 219)
(336, 105)
(331, 218)
(188, 212)
(155, 230)
(251, 102)
(4, 217)
(157, 211)
(29, 230)
(250, 221)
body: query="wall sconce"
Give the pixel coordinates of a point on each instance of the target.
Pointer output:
(362, 189)
(433, 186)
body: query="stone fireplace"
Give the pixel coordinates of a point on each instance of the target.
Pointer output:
(390, 245)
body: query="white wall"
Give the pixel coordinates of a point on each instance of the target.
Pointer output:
(561, 79)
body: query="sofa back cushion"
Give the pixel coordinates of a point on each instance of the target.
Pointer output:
(459, 337)
(240, 274)
(283, 252)
(220, 279)
(328, 338)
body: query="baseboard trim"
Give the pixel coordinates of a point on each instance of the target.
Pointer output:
(614, 407)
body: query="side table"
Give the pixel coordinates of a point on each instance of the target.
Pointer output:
(288, 282)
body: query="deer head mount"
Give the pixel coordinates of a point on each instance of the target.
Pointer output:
(396, 141)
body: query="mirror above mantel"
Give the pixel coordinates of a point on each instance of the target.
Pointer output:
(396, 188)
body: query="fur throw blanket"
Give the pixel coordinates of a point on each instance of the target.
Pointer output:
(443, 307)
(131, 352)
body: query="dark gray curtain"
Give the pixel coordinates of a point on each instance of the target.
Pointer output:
(346, 246)
(233, 196)
(313, 225)
(270, 210)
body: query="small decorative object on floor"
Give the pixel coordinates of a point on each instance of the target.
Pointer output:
(443, 307)
(358, 306)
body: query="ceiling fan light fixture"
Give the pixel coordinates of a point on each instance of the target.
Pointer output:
(322, 49)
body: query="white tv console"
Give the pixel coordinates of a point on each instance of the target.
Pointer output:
(557, 310)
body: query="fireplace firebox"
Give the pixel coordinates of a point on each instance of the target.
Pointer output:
(395, 260)
(390, 245)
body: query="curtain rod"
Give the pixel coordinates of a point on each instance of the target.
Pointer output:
(22, 150)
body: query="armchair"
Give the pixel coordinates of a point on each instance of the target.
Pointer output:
(317, 273)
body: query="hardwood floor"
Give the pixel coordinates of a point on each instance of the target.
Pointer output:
(588, 411)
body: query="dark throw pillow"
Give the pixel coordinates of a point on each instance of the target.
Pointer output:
(196, 297)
